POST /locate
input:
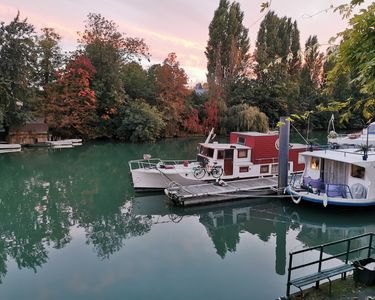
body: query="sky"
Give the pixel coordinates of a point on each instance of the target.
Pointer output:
(179, 26)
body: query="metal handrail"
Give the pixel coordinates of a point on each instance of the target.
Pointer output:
(153, 162)
(321, 259)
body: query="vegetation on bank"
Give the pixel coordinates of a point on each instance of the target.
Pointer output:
(102, 90)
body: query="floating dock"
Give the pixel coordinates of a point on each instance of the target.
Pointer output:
(221, 191)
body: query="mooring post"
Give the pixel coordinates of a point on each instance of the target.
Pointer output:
(284, 130)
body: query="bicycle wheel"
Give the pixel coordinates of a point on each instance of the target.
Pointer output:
(199, 173)
(217, 172)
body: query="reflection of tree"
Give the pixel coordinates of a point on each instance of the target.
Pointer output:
(43, 194)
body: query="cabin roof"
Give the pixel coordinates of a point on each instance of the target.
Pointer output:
(351, 156)
(223, 146)
(254, 133)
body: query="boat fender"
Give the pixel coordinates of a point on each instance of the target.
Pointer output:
(325, 201)
(296, 200)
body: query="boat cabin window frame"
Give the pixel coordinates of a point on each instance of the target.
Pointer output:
(242, 153)
(220, 154)
(243, 169)
(315, 163)
(357, 171)
(241, 140)
(264, 169)
(206, 151)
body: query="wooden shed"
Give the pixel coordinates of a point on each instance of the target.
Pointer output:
(29, 133)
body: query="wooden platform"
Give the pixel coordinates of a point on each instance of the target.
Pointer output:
(213, 192)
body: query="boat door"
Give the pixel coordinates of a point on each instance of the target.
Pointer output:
(228, 162)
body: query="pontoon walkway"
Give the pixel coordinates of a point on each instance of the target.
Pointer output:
(214, 192)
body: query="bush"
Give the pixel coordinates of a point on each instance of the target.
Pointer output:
(140, 122)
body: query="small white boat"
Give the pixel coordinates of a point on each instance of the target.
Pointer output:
(336, 177)
(248, 155)
(60, 144)
(75, 142)
(7, 148)
(365, 137)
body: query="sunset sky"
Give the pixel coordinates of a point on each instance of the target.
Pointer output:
(179, 26)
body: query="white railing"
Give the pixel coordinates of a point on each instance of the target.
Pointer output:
(154, 163)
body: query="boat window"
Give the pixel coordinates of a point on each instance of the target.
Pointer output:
(357, 172)
(275, 168)
(241, 140)
(244, 169)
(242, 153)
(210, 152)
(264, 169)
(207, 152)
(314, 163)
(220, 154)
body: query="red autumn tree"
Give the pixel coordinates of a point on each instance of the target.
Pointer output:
(171, 83)
(71, 103)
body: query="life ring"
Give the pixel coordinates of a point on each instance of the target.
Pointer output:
(296, 201)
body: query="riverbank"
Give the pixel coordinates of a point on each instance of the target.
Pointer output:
(341, 290)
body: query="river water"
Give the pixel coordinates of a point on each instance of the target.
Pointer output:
(71, 227)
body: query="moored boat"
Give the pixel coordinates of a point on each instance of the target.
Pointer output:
(8, 148)
(364, 137)
(336, 177)
(247, 155)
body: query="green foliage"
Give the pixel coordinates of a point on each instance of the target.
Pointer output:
(17, 70)
(228, 46)
(138, 84)
(277, 66)
(355, 58)
(108, 50)
(49, 56)
(140, 122)
(246, 118)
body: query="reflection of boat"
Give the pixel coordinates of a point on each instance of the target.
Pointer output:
(336, 177)
(248, 155)
(6, 148)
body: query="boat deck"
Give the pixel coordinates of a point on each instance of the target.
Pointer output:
(214, 192)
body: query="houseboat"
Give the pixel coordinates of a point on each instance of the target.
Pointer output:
(247, 155)
(336, 177)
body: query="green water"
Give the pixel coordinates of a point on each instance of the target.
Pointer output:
(71, 227)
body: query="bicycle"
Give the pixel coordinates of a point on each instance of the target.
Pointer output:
(214, 171)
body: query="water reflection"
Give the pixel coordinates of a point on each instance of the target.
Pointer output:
(265, 219)
(44, 195)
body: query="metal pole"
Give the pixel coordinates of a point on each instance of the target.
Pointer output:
(284, 131)
(365, 155)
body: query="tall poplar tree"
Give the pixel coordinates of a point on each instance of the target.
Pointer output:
(278, 65)
(228, 56)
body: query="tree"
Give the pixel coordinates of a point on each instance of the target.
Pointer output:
(277, 63)
(49, 55)
(171, 86)
(355, 58)
(71, 102)
(17, 71)
(108, 50)
(312, 76)
(140, 122)
(228, 46)
(138, 83)
(244, 118)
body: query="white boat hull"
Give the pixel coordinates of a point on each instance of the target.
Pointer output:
(9, 148)
(322, 198)
(156, 179)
